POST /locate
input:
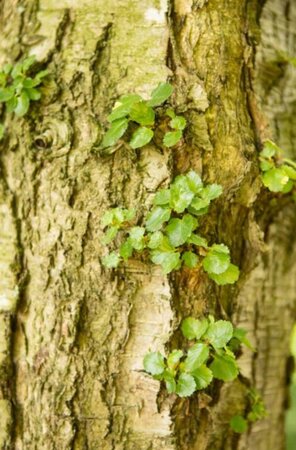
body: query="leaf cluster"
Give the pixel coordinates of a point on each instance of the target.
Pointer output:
(169, 235)
(209, 356)
(279, 174)
(239, 423)
(18, 88)
(132, 109)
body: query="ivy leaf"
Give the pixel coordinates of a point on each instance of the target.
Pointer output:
(181, 194)
(126, 249)
(238, 424)
(142, 113)
(117, 129)
(160, 94)
(136, 237)
(178, 123)
(275, 179)
(22, 106)
(174, 359)
(224, 367)
(154, 363)
(230, 276)
(157, 217)
(185, 385)
(196, 356)
(197, 240)
(155, 240)
(162, 197)
(202, 376)
(178, 230)
(141, 137)
(219, 333)
(194, 328)
(167, 260)
(123, 106)
(171, 138)
(190, 259)
(112, 260)
(217, 260)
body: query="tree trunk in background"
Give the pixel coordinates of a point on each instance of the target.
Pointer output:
(72, 334)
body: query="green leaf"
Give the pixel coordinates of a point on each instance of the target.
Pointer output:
(238, 424)
(23, 103)
(136, 238)
(270, 149)
(17, 70)
(123, 106)
(39, 76)
(181, 194)
(171, 113)
(194, 328)
(11, 104)
(197, 240)
(112, 260)
(185, 385)
(142, 114)
(107, 218)
(266, 165)
(170, 382)
(275, 179)
(160, 94)
(179, 230)
(190, 259)
(110, 235)
(219, 333)
(174, 359)
(126, 249)
(178, 122)
(157, 217)
(217, 260)
(117, 129)
(202, 376)
(194, 181)
(33, 94)
(28, 62)
(224, 367)
(212, 191)
(2, 130)
(230, 276)
(6, 94)
(167, 260)
(155, 240)
(141, 137)
(290, 172)
(196, 356)
(154, 363)
(162, 197)
(240, 334)
(171, 138)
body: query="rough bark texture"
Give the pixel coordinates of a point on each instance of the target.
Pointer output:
(73, 335)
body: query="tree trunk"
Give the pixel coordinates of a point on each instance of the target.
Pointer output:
(73, 334)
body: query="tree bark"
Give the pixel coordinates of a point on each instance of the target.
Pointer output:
(73, 334)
